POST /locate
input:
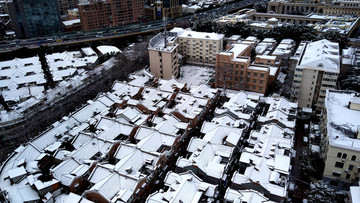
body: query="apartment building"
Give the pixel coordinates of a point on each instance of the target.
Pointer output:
(163, 56)
(233, 70)
(340, 147)
(156, 9)
(327, 7)
(199, 47)
(316, 71)
(99, 14)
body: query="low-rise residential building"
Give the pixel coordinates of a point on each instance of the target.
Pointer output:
(316, 71)
(184, 187)
(21, 80)
(265, 163)
(340, 147)
(211, 156)
(198, 47)
(249, 196)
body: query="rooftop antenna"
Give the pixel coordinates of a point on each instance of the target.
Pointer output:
(165, 23)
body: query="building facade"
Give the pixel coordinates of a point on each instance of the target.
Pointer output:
(156, 10)
(316, 71)
(35, 18)
(164, 56)
(340, 147)
(233, 70)
(100, 14)
(199, 47)
(323, 7)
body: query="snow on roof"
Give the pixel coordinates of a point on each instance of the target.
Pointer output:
(93, 147)
(279, 117)
(105, 49)
(116, 187)
(342, 122)
(63, 171)
(249, 196)
(71, 22)
(139, 81)
(217, 134)
(171, 125)
(197, 35)
(27, 194)
(189, 106)
(169, 85)
(237, 49)
(132, 160)
(131, 116)
(323, 55)
(183, 187)
(88, 51)
(355, 193)
(207, 157)
(268, 159)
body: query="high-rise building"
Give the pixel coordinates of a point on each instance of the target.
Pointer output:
(316, 71)
(96, 14)
(163, 55)
(35, 18)
(156, 9)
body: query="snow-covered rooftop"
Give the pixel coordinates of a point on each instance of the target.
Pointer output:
(322, 55)
(342, 123)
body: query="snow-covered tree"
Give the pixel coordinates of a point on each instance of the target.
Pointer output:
(321, 193)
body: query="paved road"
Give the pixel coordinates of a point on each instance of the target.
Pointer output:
(299, 194)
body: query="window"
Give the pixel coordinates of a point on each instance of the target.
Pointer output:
(351, 167)
(339, 165)
(339, 155)
(262, 75)
(254, 80)
(336, 174)
(347, 176)
(353, 158)
(255, 74)
(260, 88)
(344, 156)
(254, 87)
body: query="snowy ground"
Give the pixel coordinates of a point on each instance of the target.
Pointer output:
(196, 75)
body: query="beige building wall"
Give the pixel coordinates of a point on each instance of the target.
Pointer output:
(341, 164)
(164, 64)
(311, 84)
(200, 51)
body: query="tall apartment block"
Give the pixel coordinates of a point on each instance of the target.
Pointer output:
(316, 71)
(163, 54)
(35, 18)
(341, 144)
(233, 70)
(156, 9)
(99, 14)
(198, 47)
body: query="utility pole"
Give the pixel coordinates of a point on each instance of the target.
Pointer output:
(165, 24)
